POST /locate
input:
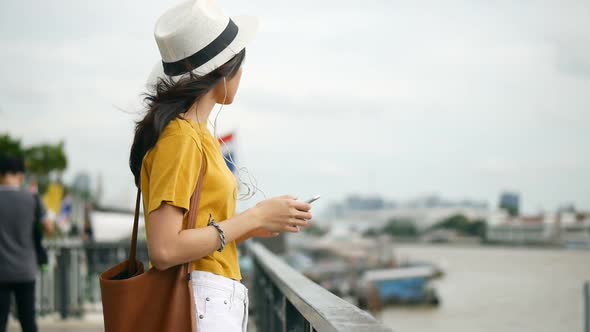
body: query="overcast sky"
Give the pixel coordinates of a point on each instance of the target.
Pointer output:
(399, 98)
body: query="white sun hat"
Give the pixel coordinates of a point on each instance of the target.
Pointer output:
(196, 36)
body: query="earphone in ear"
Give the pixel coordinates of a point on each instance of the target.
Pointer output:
(225, 90)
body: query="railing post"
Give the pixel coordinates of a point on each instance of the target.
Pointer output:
(63, 282)
(294, 320)
(277, 309)
(45, 301)
(78, 273)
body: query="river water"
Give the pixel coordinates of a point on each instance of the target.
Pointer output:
(498, 290)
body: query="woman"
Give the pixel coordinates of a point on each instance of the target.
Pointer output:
(202, 52)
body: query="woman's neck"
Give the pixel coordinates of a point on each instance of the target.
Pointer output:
(200, 110)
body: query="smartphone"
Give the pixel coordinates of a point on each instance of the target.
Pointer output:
(313, 199)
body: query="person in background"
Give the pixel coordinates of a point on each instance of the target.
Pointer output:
(18, 257)
(41, 226)
(87, 230)
(44, 222)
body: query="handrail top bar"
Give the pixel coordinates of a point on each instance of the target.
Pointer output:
(324, 310)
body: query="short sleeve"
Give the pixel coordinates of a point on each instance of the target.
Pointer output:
(173, 174)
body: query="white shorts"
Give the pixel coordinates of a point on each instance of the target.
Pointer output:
(221, 303)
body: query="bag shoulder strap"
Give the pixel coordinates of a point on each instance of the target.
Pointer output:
(192, 218)
(194, 207)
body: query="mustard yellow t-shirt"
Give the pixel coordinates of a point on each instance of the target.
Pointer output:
(169, 174)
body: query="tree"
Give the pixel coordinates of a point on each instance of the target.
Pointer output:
(462, 225)
(10, 146)
(400, 227)
(46, 158)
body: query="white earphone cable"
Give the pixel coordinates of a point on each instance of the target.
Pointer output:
(251, 187)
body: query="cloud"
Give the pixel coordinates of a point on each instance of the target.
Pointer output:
(573, 57)
(462, 97)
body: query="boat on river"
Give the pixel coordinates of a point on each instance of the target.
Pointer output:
(365, 271)
(400, 285)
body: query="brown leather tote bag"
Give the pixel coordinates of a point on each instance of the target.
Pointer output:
(162, 301)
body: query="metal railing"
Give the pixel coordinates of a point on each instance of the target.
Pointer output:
(285, 300)
(69, 284)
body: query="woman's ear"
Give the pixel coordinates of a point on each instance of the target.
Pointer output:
(231, 86)
(225, 90)
(220, 91)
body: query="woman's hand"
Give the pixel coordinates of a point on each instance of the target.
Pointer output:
(263, 233)
(282, 214)
(259, 232)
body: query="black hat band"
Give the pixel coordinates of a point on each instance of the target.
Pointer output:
(205, 54)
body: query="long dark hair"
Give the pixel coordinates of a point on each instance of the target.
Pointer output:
(169, 100)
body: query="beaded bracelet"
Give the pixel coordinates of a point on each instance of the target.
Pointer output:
(212, 222)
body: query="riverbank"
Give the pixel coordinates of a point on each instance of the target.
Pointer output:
(472, 242)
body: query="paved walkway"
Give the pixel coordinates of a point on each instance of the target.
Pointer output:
(91, 323)
(60, 329)
(67, 326)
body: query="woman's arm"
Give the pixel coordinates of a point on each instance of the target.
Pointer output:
(169, 245)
